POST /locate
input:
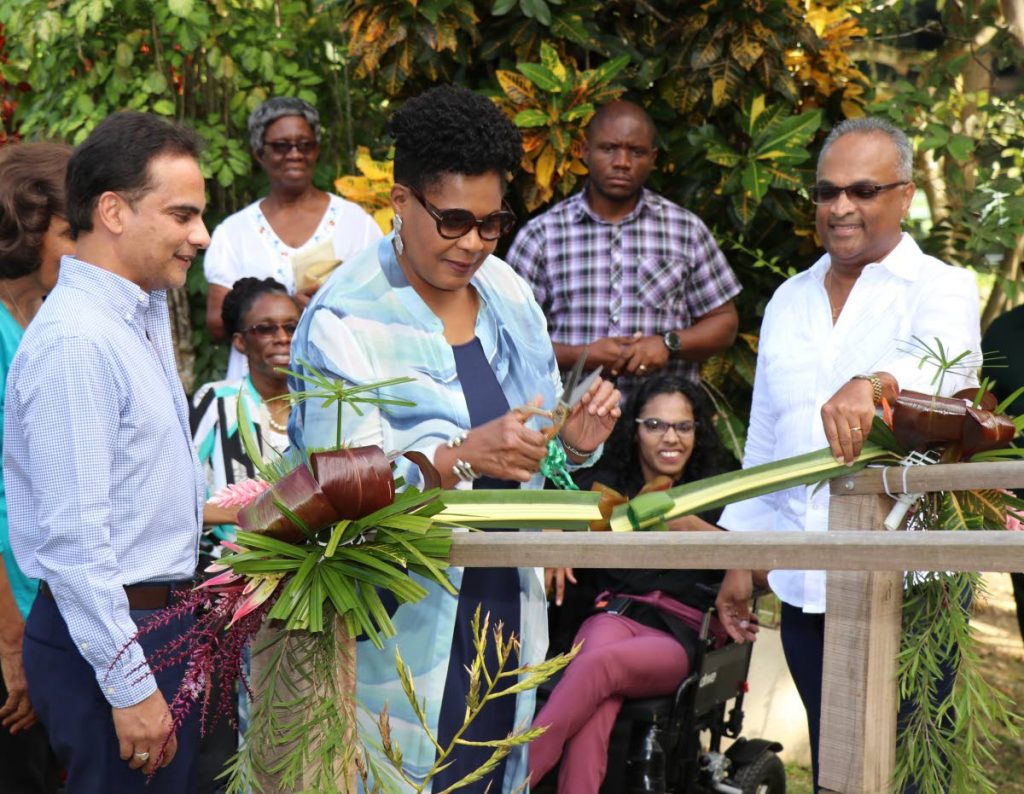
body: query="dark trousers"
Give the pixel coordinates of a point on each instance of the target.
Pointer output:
(27, 764)
(68, 700)
(803, 643)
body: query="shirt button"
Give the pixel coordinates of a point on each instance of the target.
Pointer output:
(110, 690)
(142, 298)
(615, 318)
(85, 646)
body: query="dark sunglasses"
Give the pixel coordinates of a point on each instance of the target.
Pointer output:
(862, 191)
(453, 224)
(282, 148)
(659, 427)
(270, 329)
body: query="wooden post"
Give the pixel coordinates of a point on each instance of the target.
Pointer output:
(857, 745)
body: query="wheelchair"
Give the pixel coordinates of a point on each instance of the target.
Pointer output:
(673, 744)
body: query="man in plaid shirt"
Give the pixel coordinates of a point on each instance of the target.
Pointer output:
(620, 270)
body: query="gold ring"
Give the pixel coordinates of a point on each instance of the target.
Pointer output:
(142, 756)
(855, 429)
(642, 368)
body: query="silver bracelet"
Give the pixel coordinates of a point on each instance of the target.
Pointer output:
(464, 471)
(456, 441)
(579, 453)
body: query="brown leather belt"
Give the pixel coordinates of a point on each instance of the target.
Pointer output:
(140, 596)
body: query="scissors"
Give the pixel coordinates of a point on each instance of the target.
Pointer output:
(572, 392)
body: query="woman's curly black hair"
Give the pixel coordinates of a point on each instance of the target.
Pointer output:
(242, 296)
(620, 463)
(451, 130)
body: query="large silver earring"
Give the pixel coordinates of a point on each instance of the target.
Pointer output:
(399, 242)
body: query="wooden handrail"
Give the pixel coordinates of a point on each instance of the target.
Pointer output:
(990, 550)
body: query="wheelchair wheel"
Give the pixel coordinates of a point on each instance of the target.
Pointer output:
(766, 775)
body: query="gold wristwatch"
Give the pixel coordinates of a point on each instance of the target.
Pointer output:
(876, 386)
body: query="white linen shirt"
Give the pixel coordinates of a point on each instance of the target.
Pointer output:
(803, 360)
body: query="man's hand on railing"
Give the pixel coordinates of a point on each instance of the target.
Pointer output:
(733, 605)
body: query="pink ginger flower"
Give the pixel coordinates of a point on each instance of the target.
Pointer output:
(239, 494)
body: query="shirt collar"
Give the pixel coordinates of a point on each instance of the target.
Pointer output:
(904, 261)
(125, 297)
(649, 202)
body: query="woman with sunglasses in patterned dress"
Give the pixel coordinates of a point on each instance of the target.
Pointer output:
(631, 649)
(263, 239)
(431, 302)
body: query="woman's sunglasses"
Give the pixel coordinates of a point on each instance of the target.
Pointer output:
(456, 223)
(270, 329)
(862, 191)
(281, 148)
(659, 427)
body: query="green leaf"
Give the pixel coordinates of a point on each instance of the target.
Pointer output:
(502, 7)
(723, 155)
(961, 147)
(165, 108)
(788, 133)
(571, 27)
(578, 112)
(540, 77)
(180, 8)
(531, 117)
(610, 69)
(756, 180)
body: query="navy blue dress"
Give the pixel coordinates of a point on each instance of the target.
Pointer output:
(496, 590)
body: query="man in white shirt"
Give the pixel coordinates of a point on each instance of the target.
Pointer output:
(835, 340)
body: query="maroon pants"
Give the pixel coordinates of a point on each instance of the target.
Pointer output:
(620, 659)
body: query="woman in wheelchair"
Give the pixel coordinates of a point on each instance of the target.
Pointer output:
(633, 648)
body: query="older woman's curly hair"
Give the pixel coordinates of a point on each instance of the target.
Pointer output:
(277, 107)
(31, 193)
(621, 459)
(451, 130)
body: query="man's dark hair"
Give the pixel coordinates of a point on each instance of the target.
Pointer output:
(116, 157)
(451, 130)
(31, 193)
(242, 296)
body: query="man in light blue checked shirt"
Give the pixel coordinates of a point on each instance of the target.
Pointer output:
(105, 493)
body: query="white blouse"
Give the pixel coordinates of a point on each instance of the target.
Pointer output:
(245, 244)
(803, 360)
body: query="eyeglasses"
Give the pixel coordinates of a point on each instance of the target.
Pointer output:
(659, 427)
(861, 191)
(456, 223)
(271, 329)
(281, 148)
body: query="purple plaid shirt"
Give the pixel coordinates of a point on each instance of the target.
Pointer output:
(656, 270)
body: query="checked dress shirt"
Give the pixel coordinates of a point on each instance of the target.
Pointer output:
(656, 270)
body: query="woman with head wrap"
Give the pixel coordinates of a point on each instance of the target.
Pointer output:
(263, 239)
(432, 302)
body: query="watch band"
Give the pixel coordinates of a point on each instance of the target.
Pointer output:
(876, 386)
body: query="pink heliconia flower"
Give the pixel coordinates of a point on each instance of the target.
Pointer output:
(264, 590)
(239, 494)
(228, 577)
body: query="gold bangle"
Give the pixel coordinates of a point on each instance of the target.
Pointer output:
(876, 386)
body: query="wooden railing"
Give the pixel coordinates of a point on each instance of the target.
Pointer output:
(865, 590)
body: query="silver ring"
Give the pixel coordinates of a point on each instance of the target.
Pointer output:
(642, 368)
(855, 429)
(142, 756)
